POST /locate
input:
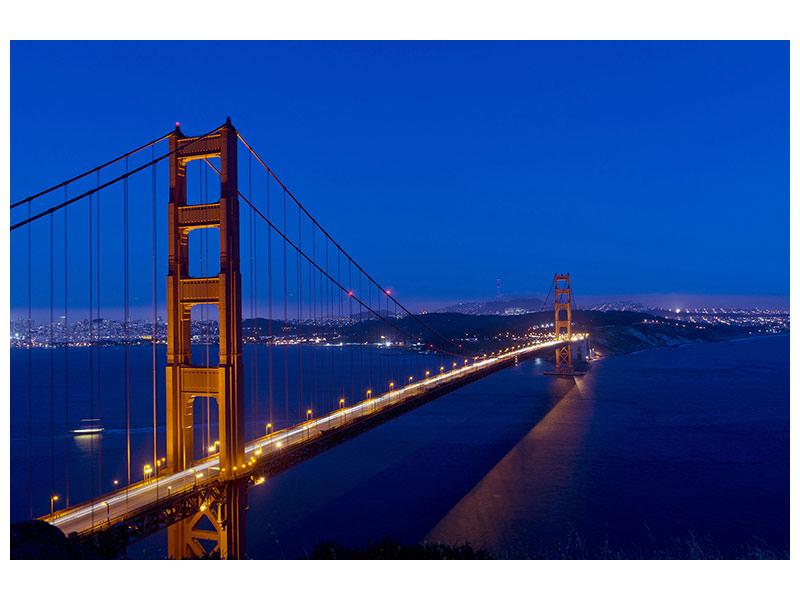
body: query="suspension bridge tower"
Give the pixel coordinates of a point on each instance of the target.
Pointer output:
(563, 327)
(186, 382)
(563, 321)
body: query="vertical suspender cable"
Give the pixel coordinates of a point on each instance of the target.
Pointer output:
(155, 309)
(30, 379)
(269, 293)
(91, 351)
(285, 321)
(99, 322)
(340, 324)
(125, 328)
(360, 345)
(299, 288)
(52, 375)
(350, 327)
(67, 341)
(252, 307)
(314, 323)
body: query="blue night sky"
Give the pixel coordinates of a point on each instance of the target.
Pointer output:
(639, 167)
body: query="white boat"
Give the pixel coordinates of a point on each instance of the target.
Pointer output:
(88, 427)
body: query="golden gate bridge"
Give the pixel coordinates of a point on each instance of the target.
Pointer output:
(224, 424)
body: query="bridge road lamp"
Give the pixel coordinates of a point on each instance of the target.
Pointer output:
(116, 483)
(341, 407)
(269, 428)
(52, 500)
(108, 515)
(308, 425)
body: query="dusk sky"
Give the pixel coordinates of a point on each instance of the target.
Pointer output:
(639, 167)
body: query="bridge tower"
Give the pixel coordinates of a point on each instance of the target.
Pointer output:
(563, 321)
(186, 382)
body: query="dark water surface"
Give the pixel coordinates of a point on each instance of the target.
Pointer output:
(661, 444)
(647, 447)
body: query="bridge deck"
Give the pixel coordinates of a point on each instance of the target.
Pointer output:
(128, 502)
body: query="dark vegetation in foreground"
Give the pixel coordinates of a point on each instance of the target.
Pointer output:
(40, 540)
(690, 547)
(390, 549)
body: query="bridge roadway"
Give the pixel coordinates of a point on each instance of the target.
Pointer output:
(126, 502)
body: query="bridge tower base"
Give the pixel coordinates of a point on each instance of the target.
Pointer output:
(217, 527)
(187, 382)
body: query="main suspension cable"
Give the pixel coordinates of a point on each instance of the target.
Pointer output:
(82, 175)
(127, 173)
(323, 230)
(339, 285)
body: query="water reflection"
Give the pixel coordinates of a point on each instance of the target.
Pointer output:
(544, 470)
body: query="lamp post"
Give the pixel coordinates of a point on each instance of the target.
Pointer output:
(52, 500)
(269, 428)
(308, 418)
(108, 515)
(341, 407)
(116, 483)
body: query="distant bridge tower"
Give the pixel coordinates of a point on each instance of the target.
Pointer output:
(186, 382)
(563, 321)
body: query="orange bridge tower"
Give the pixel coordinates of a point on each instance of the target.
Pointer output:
(185, 382)
(563, 321)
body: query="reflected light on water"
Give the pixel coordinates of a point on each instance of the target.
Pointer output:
(531, 484)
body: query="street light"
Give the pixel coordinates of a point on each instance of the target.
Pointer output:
(116, 483)
(108, 516)
(52, 499)
(269, 427)
(391, 385)
(369, 394)
(308, 418)
(147, 471)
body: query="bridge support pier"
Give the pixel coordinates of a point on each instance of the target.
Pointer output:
(224, 382)
(217, 526)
